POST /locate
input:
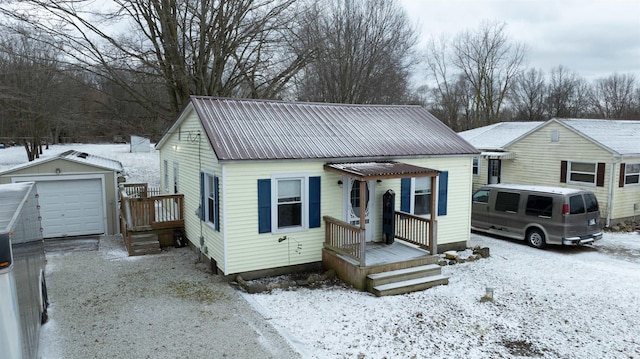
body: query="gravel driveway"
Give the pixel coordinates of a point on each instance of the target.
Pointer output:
(105, 304)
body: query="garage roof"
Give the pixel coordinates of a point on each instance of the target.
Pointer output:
(74, 156)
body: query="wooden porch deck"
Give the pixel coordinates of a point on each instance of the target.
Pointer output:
(378, 253)
(148, 220)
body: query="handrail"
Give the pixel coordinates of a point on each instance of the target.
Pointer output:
(344, 238)
(413, 229)
(151, 212)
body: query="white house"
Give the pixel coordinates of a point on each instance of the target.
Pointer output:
(269, 184)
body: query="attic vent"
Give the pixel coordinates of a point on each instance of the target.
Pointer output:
(83, 155)
(555, 136)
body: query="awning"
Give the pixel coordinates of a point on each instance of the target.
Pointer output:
(498, 155)
(365, 171)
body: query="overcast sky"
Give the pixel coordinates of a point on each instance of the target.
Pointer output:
(593, 38)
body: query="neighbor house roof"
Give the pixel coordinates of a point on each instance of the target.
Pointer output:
(621, 137)
(241, 129)
(74, 156)
(497, 136)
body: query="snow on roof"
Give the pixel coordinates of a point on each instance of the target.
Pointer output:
(620, 136)
(11, 196)
(496, 136)
(74, 156)
(534, 188)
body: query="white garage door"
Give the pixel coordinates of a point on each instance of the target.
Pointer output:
(71, 207)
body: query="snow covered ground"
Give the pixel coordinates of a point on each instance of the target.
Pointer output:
(553, 303)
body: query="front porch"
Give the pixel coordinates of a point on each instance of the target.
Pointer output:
(405, 258)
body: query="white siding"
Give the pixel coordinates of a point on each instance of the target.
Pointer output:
(625, 199)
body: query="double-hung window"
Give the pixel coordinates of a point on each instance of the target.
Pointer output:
(632, 173)
(582, 172)
(210, 198)
(289, 198)
(476, 166)
(422, 196)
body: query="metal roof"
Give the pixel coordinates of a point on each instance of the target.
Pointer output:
(380, 170)
(74, 156)
(619, 136)
(241, 129)
(12, 196)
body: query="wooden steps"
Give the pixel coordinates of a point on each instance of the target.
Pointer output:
(141, 244)
(406, 280)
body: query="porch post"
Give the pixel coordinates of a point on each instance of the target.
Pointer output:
(433, 230)
(363, 236)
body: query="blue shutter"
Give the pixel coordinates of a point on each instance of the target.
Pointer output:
(264, 206)
(216, 181)
(405, 195)
(443, 186)
(203, 198)
(314, 202)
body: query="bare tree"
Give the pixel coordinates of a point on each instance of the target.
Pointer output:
(567, 94)
(245, 48)
(364, 52)
(527, 96)
(490, 62)
(613, 97)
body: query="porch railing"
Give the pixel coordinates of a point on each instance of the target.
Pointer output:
(140, 190)
(344, 238)
(152, 212)
(415, 230)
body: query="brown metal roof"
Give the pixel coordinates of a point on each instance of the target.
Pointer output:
(379, 170)
(241, 129)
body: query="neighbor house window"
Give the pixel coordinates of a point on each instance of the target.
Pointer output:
(422, 196)
(210, 213)
(583, 172)
(476, 166)
(632, 173)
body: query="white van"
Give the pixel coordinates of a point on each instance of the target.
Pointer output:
(538, 214)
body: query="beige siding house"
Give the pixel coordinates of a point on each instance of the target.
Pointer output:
(264, 182)
(600, 155)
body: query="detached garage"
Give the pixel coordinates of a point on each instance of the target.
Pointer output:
(77, 193)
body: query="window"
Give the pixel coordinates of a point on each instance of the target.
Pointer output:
(289, 197)
(288, 203)
(576, 204)
(507, 202)
(476, 166)
(539, 206)
(422, 196)
(209, 206)
(592, 202)
(583, 172)
(481, 196)
(632, 173)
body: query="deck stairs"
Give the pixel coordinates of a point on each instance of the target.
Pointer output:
(144, 243)
(406, 280)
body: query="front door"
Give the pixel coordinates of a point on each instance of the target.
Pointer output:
(494, 171)
(352, 205)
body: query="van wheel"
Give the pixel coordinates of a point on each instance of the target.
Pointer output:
(535, 238)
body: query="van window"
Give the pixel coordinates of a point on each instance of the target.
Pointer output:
(592, 202)
(539, 206)
(507, 202)
(576, 204)
(481, 196)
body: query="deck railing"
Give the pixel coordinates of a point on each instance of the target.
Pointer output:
(413, 229)
(140, 190)
(344, 238)
(151, 212)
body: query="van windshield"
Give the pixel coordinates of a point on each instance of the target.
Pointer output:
(592, 202)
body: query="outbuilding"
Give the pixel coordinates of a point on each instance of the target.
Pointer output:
(77, 193)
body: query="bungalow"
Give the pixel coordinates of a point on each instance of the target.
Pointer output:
(599, 155)
(271, 185)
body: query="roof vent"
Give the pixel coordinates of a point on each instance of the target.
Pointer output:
(83, 155)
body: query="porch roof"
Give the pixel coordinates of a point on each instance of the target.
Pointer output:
(365, 171)
(497, 155)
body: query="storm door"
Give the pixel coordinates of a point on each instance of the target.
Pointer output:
(494, 171)
(352, 204)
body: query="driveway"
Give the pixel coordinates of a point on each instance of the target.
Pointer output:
(105, 304)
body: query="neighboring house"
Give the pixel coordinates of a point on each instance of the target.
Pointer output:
(599, 155)
(264, 180)
(77, 193)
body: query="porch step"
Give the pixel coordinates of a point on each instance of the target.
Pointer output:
(141, 244)
(411, 285)
(406, 280)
